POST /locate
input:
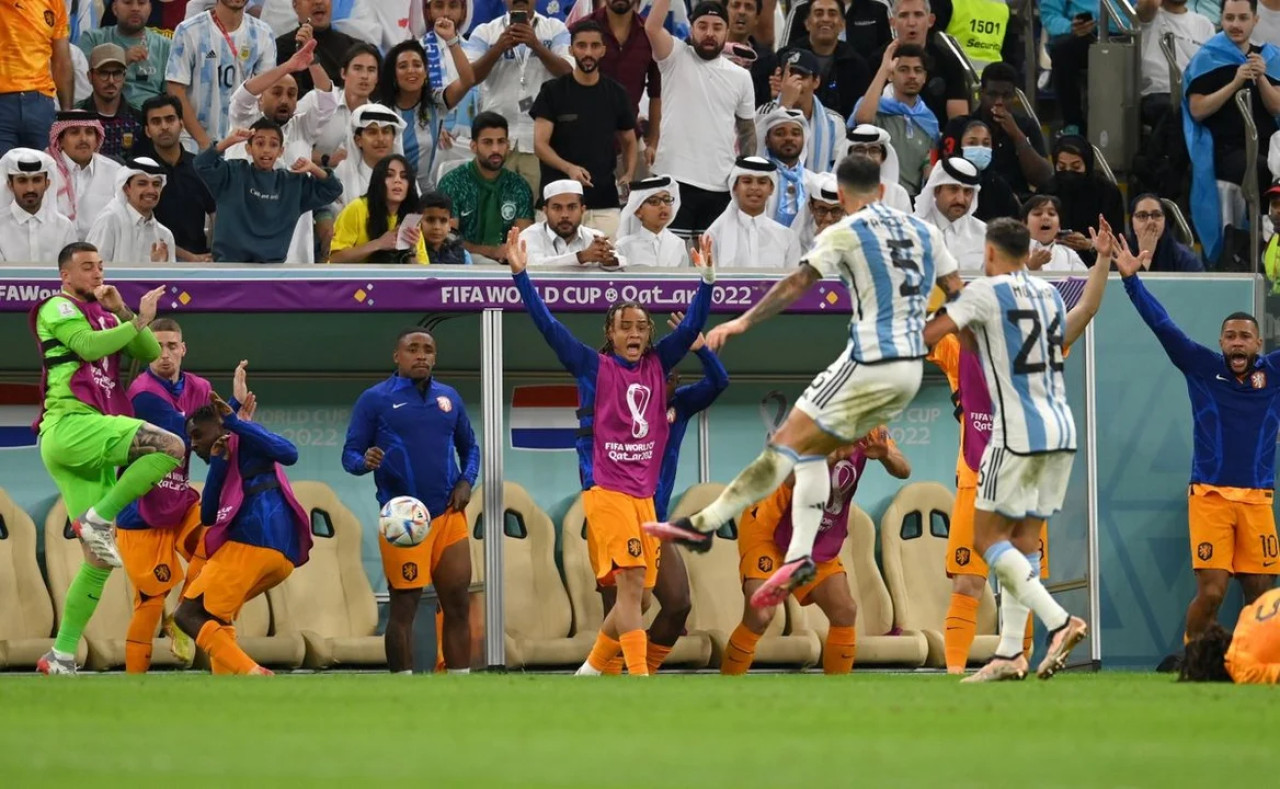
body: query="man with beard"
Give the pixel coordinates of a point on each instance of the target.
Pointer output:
(1017, 147)
(315, 23)
(578, 119)
(31, 230)
(947, 202)
(186, 207)
(85, 179)
(488, 199)
(1190, 30)
(800, 81)
(561, 239)
(145, 51)
(750, 34)
(1236, 407)
(943, 88)
(120, 120)
(842, 71)
(783, 134)
(628, 58)
(717, 113)
(912, 126)
(127, 231)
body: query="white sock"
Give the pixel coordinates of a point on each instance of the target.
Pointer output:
(756, 481)
(1019, 578)
(1013, 625)
(63, 656)
(406, 671)
(93, 516)
(458, 670)
(585, 670)
(813, 488)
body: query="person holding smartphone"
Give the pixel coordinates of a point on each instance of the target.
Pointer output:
(368, 229)
(1072, 27)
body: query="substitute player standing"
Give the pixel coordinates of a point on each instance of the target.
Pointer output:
(411, 431)
(1235, 403)
(889, 261)
(1021, 326)
(258, 531)
(87, 430)
(622, 394)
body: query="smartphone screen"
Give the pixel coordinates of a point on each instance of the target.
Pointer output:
(519, 17)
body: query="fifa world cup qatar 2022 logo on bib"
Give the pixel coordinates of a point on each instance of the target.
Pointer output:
(637, 401)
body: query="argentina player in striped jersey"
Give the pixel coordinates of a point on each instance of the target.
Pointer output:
(1021, 326)
(889, 260)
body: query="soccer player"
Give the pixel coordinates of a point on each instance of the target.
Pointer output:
(1021, 326)
(407, 430)
(156, 528)
(671, 589)
(889, 260)
(1235, 400)
(957, 355)
(258, 532)
(622, 394)
(764, 531)
(86, 426)
(1249, 656)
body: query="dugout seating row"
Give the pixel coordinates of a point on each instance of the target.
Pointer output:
(325, 614)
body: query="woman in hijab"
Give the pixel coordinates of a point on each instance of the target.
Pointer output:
(1149, 232)
(971, 138)
(643, 237)
(1084, 194)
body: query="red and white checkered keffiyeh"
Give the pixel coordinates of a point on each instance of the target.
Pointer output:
(55, 150)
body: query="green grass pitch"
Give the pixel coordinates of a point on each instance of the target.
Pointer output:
(777, 730)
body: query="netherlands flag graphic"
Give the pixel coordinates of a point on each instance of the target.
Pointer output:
(544, 417)
(19, 407)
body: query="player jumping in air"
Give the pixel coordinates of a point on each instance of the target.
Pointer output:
(1021, 326)
(258, 532)
(622, 392)
(672, 587)
(1235, 404)
(411, 430)
(1250, 655)
(87, 430)
(764, 531)
(889, 261)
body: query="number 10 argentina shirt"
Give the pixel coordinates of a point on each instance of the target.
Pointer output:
(204, 59)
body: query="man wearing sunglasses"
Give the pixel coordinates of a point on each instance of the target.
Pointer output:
(121, 121)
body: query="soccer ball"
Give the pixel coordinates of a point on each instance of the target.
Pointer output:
(404, 521)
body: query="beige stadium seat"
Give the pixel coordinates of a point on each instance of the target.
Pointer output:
(692, 650)
(328, 600)
(105, 633)
(880, 643)
(539, 619)
(716, 591)
(26, 613)
(915, 568)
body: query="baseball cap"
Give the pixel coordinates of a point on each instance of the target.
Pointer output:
(106, 53)
(705, 8)
(802, 61)
(1273, 192)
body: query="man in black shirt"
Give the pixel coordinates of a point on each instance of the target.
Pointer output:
(843, 73)
(1017, 146)
(315, 20)
(866, 24)
(185, 202)
(944, 92)
(578, 119)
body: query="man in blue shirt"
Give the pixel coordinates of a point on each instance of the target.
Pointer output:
(406, 430)
(1235, 403)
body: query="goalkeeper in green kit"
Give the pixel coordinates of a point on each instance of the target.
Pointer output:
(86, 426)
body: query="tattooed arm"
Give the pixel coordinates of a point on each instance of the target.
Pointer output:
(782, 295)
(746, 131)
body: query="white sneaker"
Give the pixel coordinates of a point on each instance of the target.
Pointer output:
(51, 664)
(1001, 669)
(585, 670)
(100, 538)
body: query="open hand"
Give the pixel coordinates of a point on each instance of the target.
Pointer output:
(306, 54)
(148, 305)
(717, 337)
(517, 251)
(875, 445)
(240, 381)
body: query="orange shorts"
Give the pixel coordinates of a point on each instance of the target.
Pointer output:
(236, 574)
(759, 555)
(151, 555)
(615, 540)
(410, 568)
(1236, 536)
(962, 559)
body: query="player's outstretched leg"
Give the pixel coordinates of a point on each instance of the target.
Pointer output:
(812, 489)
(1019, 578)
(962, 620)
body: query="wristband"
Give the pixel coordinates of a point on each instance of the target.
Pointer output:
(453, 42)
(708, 275)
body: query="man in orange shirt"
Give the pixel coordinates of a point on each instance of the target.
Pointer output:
(35, 67)
(1249, 656)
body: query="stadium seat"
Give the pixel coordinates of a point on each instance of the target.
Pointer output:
(716, 591)
(881, 640)
(328, 600)
(539, 620)
(914, 550)
(692, 650)
(105, 634)
(26, 616)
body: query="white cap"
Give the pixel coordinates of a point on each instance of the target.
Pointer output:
(564, 186)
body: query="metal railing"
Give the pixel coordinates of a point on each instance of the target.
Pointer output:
(1174, 216)
(971, 81)
(1175, 73)
(1028, 108)
(1101, 164)
(1249, 183)
(1122, 13)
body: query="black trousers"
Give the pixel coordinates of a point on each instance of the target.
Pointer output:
(698, 209)
(1070, 55)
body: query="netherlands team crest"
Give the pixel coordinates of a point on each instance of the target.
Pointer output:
(162, 573)
(633, 547)
(765, 564)
(409, 571)
(1258, 380)
(962, 556)
(1205, 551)
(444, 404)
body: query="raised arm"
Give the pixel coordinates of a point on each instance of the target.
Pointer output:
(660, 41)
(144, 347)
(783, 294)
(1078, 317)
(1185, 353)
(877, 445)
(672, 348)
(257, 439)
(699, 397)
(573, 354)
(456, 90)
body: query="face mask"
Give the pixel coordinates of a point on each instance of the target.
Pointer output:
(1070, 178)
(979, 156)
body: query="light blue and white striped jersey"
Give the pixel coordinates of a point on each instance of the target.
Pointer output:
(1019, 321)
(889, 260)
(211, 69)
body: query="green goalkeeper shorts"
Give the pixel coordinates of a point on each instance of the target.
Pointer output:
(82, 453)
